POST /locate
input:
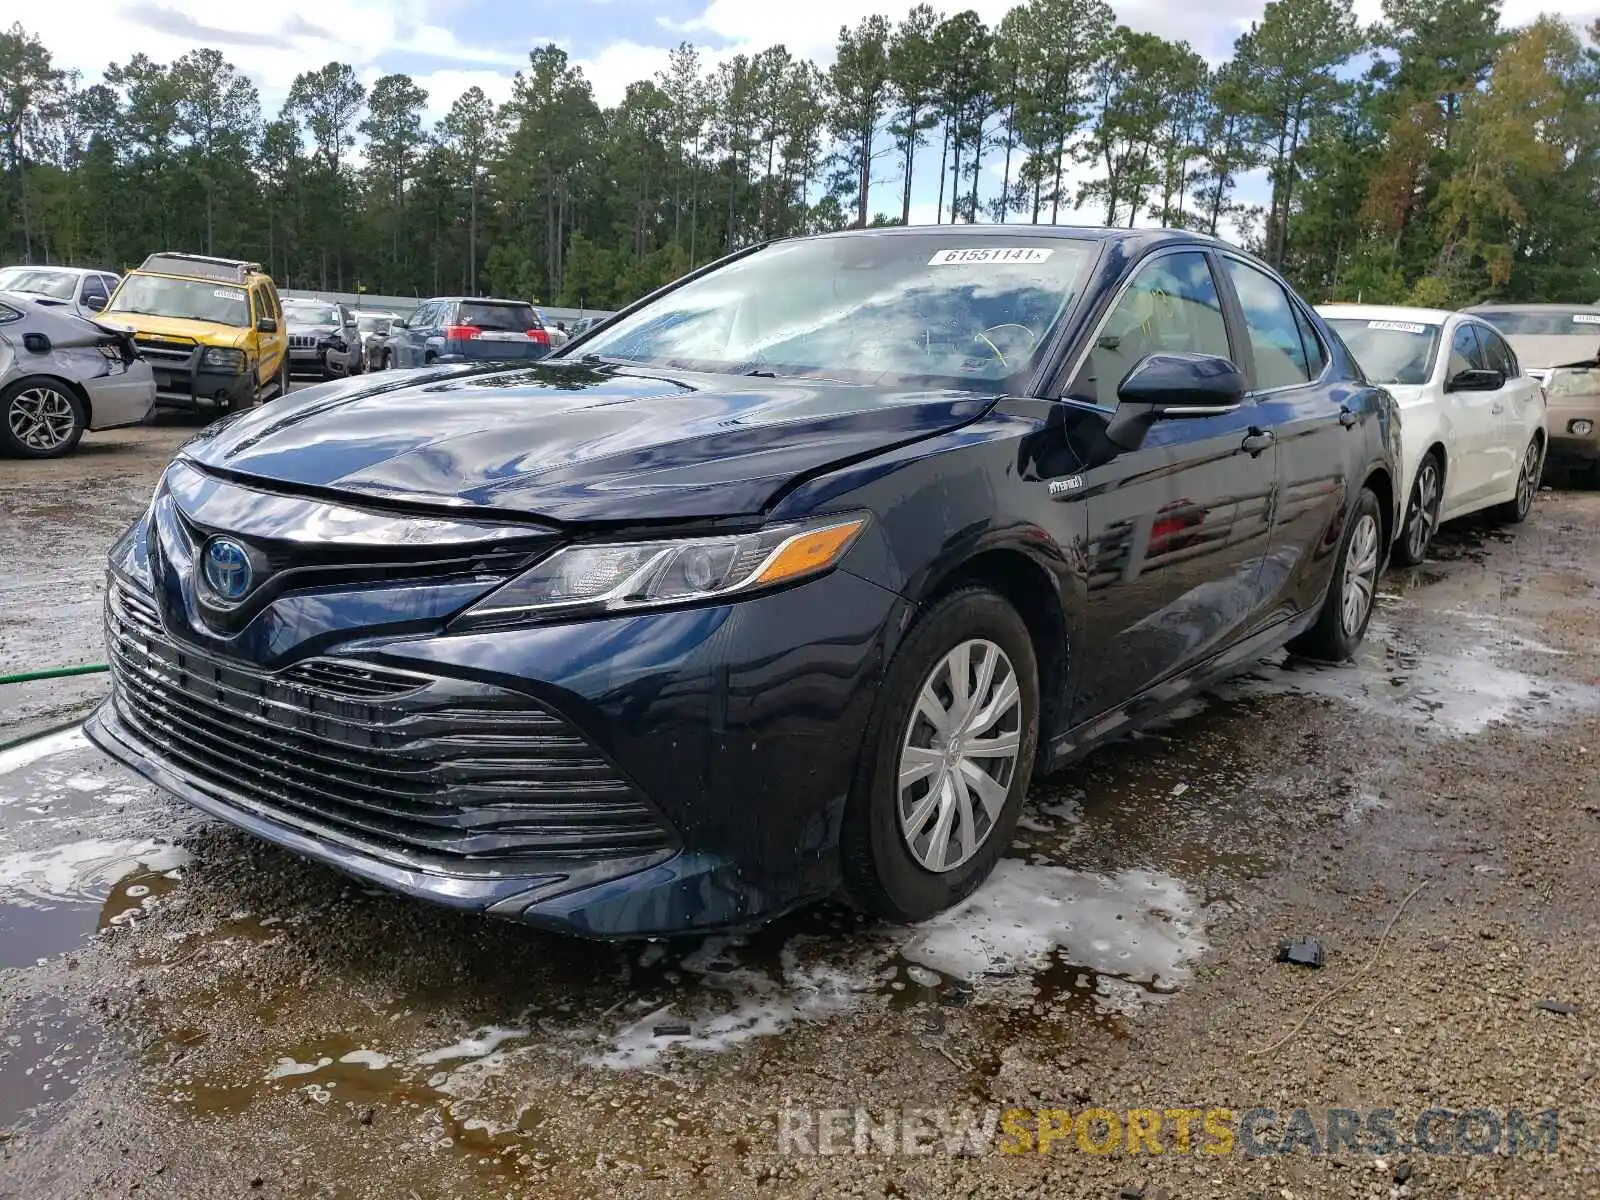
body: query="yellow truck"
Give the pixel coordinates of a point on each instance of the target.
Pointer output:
(212, 330)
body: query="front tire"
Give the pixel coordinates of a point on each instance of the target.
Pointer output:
(1515, 511)
(947, 760)
(41, 418)
(1422, 514)
(1347, 608)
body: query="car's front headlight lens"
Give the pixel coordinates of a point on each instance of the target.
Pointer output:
(611, 576)
(225, 359)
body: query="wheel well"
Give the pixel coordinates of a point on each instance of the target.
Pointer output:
(1027, 587)
(1383, 487)
(75, 388)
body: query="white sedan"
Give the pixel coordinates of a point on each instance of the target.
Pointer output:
(1472, 422)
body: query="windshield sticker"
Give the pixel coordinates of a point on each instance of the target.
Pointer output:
(993, 254)
(1398, 326)
(1586, 318)
(227, 294)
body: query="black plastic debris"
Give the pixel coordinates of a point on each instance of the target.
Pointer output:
(1301, 952)
(1558, 1007)
(672, 1029)
(1403, 1172)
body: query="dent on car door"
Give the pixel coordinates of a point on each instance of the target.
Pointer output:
(1177, 529)
(1317, 426)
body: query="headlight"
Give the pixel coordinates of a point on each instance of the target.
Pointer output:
(224, 359)
(611, 576)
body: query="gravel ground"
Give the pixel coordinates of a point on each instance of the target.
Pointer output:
(187, 1013)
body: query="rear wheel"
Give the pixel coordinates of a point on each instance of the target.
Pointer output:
(1516, 510)
(1347, 608)
(1422, 514)
(948, 757)
(42, 418)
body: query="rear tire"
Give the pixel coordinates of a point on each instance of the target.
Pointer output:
(1515, 511)
(947, 760)
(41, 418)
(1352, 593)
(1422, 514)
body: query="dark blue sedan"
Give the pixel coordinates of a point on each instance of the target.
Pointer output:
(785, 582)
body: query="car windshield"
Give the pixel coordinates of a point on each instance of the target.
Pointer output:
(1518, 322)
(373, 322)
(192, 299)
(1390, 351)
(930, 308)
(311, 313)
(502, 318)
(59, 285)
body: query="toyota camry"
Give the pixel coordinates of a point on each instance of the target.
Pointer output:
(784, 583)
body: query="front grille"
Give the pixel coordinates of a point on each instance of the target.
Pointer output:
(299, 341)
(163, 350)
(423, 763)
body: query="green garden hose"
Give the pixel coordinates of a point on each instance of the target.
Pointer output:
(54, 673)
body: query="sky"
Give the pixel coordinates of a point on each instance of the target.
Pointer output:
(450, 45)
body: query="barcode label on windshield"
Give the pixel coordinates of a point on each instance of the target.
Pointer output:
(1398, 326)
(989, 255)
(227, 294)
(1586, 318)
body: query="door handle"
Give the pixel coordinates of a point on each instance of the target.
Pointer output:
(1346, 417)
(1258, 440)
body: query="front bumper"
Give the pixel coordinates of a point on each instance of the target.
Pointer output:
(733, 733)
(1566, 445)
(127, 397)
(188, 388)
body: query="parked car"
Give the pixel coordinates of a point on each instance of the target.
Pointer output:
(323, 339)
(559, 336)
(466, 329)
(373, 329)
(210, 328)
(1559, 344)
(1472, 422)
(61, 374)
(86, 291)
(583, 325)
(787, 581)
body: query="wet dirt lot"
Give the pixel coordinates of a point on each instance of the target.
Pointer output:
(185, 1012)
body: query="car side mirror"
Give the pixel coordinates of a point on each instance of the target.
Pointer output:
(393, 325)
(1172, 386)
(267, 325)
(1476, 379)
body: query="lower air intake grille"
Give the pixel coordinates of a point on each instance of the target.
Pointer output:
(429, 764)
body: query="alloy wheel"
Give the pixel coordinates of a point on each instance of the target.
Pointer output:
(41, 418)
(959, 755)
(1360, 574)
(1424, 510)
(1528, 479)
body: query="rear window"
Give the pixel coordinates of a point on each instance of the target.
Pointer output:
(509, 318)
(1520, 322)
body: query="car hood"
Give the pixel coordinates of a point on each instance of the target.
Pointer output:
(573, 444)
(1542, 350)
(184, 328)
(306, 327)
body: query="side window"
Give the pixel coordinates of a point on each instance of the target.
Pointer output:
(423, 317)
(94, 290)
(1316, 356)
(1465, 353)
(1497, 352)
(1170, 305)
(1270, 320)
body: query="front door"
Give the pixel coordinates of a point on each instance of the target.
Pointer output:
(1476, 420)
(1178, 529)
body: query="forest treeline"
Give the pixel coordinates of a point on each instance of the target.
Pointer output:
(1435, 158)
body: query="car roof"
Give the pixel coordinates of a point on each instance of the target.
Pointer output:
(59, 270)
(1557, 308)
(1139, 238)
(476, 300)
(1388, 312)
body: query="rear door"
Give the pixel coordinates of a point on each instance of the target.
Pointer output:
(1521, 404)
(1178, 529)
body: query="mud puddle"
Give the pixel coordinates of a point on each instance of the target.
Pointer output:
(45, 1052)
(83, 846)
